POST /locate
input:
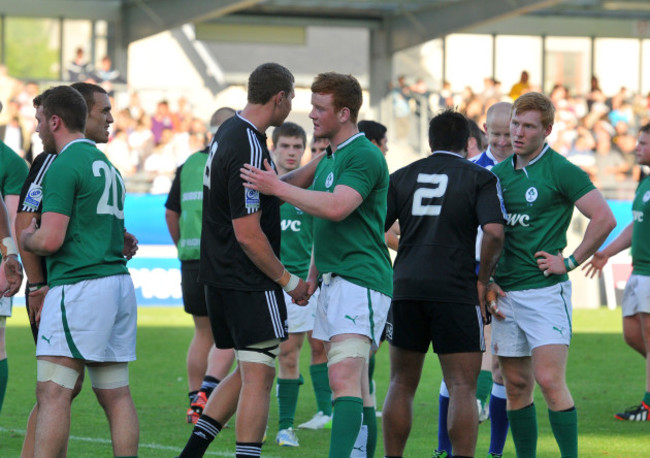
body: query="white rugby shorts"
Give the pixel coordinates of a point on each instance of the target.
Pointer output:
(5, 306)
(636, 296)
(301, 318)
(534, 317)
(346, 308)
(93, 320)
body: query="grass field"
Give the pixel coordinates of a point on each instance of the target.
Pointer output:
(605, 376)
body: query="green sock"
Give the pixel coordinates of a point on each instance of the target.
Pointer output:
(371, 372)
(346, 424)
(321, 384)
(287, 401)
(565, 429)
(4, 378)
(523, 424)
(646, 398)
(370, 420)
(484, 386)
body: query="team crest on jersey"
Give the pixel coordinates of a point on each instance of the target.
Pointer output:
(252, 199)
(329, 180)
(646, 197)
(531, 194)
(34, 196)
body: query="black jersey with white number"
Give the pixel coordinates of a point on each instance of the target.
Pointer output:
(223, 262)
(439, 202)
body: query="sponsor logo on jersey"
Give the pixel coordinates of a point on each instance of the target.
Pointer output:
(299, 211)
(252, 199)
(194, 195)
(34, 196)
(531, 194)
(288, 224)
(646, 197)
(637, 216)
(190, 242)
(518, 219)
(329, 180)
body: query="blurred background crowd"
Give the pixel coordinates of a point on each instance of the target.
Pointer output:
(596, 131)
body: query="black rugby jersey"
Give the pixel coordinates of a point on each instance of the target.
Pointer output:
(223, 262)
(440, 201)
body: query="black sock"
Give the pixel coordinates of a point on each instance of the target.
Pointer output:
(204, 432)
(248, 449)
(209, 384)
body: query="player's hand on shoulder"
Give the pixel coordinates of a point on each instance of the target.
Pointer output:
(595, 264)
(260, 180)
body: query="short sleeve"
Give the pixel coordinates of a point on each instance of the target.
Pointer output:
(173, 202)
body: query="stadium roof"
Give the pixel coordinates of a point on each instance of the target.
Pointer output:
(406, 22)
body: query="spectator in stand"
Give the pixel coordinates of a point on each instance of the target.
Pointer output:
(161, 120)
(79, 69)
(520, 87)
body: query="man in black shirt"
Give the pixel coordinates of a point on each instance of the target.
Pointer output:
(439, 202)
(240, 266)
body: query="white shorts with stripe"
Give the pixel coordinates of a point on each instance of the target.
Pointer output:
(534, 317)
(636, 296)
(301, 318)
(93, 320)
(346, 308)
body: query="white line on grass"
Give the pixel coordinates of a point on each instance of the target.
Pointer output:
(99, 440)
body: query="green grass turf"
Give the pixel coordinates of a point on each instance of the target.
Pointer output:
(604, 375)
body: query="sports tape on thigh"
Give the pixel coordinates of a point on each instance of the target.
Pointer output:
(348, 348)
(47, 371)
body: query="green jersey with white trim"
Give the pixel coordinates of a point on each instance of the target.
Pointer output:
(297, 237)
(539, 201)
(355, 247)
(83, 185)
(641, 229)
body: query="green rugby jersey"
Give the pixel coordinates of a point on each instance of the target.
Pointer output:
(191, 200)
(13, 171)
(641, 229)
(296, 242)
(82, 184)
(355, 247)
(539, 201)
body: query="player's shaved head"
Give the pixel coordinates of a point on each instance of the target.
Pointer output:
(499, 112)
(220, 116)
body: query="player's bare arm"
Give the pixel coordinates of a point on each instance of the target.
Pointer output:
(600, 258)
(173, 224)
(13, 270)
(303, 176)
(33, 267)
(601, 223)
(48, 238)
(253, 241)
(491, 247)
(334, 206)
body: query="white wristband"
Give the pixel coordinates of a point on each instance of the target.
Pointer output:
(10, 247)
(292, 283)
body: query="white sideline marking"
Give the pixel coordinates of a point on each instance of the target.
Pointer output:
(99, 440)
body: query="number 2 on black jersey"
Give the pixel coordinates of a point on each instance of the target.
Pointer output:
(419, 207)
